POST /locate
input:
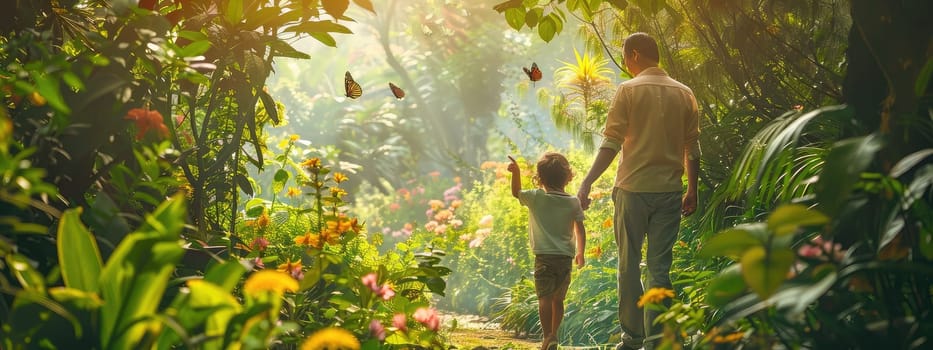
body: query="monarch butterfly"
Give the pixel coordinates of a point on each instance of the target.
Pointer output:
(397, 91)
(534, 74)
(353, 89)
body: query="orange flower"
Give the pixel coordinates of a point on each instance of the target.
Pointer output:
(293, 192)
(655, 296)
(607, 223)
(146, 119)
(596, 252)
(313, 163)
(332, 237)
(435, 174)
(309, 240)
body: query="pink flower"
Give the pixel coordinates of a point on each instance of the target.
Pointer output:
(386, 292)
(510, 260)
(377, 330)
(370, 281)
(260, 242)
(394, 206)
(476, 242)
(427, 317)
(456, 223)
(400, 322)
(823, 250)
(431, 225)
(257, 262)
(440, 229)
(465, 237)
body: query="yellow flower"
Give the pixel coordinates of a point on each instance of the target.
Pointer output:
(263, 220)
(293, 192)
(289, 266)
(272, 281)
(337, 192)
(607, 223)
(313, 163)
(339, 177)
(309, 240)
(331, 339)
(654, 296)
(294, 137)
(729, 338)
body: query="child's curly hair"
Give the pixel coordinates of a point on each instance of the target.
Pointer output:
(553, 170)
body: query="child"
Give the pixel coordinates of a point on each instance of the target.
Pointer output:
(554, 217)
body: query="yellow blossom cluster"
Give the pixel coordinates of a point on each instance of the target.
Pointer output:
(655, 296)
(260, 222)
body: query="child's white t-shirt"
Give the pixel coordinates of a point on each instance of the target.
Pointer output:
(551, 217)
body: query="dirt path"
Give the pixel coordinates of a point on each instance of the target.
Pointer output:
(474, 332)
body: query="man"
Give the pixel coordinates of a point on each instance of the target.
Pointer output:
(654, 122)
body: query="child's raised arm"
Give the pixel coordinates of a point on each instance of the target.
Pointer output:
(516, 177)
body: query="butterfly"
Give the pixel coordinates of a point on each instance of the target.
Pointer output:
(534, 73)
(353, 89)
(397, 91)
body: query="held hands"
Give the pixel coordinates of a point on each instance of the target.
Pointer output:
(580, 260)
(583, 194)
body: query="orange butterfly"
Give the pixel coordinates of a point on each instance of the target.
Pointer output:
(353, 89)
(397, 91)
(534, 73)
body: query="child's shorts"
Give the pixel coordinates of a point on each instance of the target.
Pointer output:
(552, 272)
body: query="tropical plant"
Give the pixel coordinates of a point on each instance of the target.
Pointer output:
(585, 95)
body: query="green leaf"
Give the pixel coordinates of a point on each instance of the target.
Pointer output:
(923, 79)
(365, 4)
(28, 277)
(532, 17)
(335, 8)
(730, 242)
(192, 35)
(269, 104)
(244, 184)
(137, 274)
(234, 12)
(324, 38)
(48, 87)
(78, 254)
(619, 4)
(909, 161)
(195, 48)
(547, 28)
(726, 286)
(788, 218)
(844, 164)
(283, 49)
(319, 27)
(279, 180)
(573, 5)
(515, 17)
(225, 275)
(764, 270)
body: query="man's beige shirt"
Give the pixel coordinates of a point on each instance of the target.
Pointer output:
(654, 122)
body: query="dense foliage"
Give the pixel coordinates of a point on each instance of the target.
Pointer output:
(156, 193)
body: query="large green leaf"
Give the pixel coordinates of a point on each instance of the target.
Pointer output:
(135, 277)
(764, 271)
(234, 12)
(787, 219)
(844, 165)
(726, 286)
(515, 17)
(547, 28)
(78, 254)
(279, 180)
(731, 242)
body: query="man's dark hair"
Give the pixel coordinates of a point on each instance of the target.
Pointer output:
(644, 44)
